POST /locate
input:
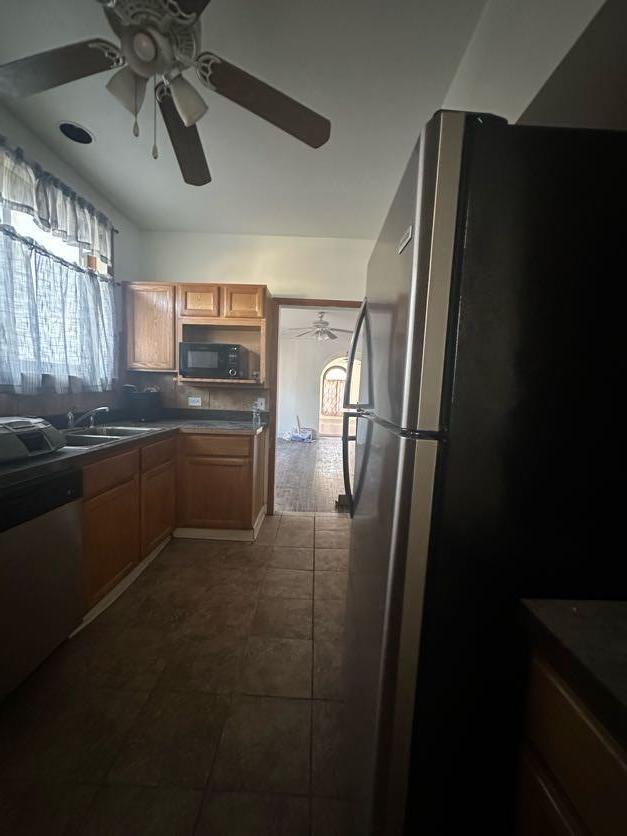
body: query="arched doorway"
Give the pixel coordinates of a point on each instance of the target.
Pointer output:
(332, 381)
(332, 384)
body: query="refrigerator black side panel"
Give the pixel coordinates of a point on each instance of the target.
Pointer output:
(529, 499)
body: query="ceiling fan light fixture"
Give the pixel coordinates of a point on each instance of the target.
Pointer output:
(144, 47)
(189, 103)
(128, 88)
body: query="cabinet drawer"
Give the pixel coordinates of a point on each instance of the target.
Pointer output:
(155, 454)
(587, 764)
(216, 445)
(102, 476)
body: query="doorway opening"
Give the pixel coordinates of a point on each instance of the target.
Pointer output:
(312, 358)
(332, 386)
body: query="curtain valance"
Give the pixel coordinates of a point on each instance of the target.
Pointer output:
(53, 205)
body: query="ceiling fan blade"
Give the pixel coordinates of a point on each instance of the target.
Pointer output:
(58, 66)
(128, 88)
(190, 7)
(341, 331)
(331, 335)
(304, 333)
(264, 101)
(185, 141)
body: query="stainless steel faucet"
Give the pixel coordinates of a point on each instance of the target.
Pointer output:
(72, 421)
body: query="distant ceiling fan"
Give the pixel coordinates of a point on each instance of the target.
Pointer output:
(320, 330)
(160, 39)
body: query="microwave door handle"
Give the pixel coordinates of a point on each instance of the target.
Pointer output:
(351, 356)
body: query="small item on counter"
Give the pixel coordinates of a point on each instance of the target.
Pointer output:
(144, 406)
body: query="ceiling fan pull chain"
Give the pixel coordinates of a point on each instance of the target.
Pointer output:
(155, 150)
(135, 109)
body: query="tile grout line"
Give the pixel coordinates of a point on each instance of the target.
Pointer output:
(206, 791)
(313, 674)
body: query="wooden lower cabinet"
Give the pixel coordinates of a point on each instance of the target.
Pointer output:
(544, 810)
(158, 505)
(573, 774)
(134, 500)
(214, 492)
(219, 483)
(110, 538)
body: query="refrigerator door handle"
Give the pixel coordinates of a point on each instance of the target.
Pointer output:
(346, 439)
(361, 318)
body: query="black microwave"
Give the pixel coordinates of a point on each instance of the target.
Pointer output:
(213, 360)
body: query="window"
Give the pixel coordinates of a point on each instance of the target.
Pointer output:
(57, 321)
(333, 381)
(25, 225)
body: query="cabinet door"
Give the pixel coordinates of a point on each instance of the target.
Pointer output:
(243, 301)
(150, 327)
(214, 492)
(198, 299)
(110, 538)
(157, 505)
(542, 808)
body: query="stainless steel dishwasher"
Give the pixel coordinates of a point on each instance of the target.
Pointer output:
(40, 544)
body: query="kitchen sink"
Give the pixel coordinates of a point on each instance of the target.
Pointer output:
(77, 440)
(113, 432)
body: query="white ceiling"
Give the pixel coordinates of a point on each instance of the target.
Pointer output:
(376, 68)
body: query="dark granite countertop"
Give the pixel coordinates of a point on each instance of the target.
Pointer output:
(586, 641)
(18, 472)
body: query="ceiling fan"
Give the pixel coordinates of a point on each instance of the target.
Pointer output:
(320, 330)
(160, 40)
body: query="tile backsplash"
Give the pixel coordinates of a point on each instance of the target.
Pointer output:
(174, 395)
(51, 403)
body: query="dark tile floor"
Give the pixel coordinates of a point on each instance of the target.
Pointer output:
(207, 700)
(309, 477)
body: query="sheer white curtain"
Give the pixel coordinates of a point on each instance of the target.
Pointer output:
(57, 322)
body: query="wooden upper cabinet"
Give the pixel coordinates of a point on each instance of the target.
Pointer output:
(243, 301)
(150, 327)
(198, 300)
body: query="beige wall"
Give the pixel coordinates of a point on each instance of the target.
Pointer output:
(324, 268)
(515, 47)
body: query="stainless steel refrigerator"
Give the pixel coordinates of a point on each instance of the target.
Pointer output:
(489, 341)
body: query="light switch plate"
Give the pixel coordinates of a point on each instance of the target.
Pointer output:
(192, 401)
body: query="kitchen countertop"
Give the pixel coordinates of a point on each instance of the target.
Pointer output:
(18, 472)
(586, 642)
